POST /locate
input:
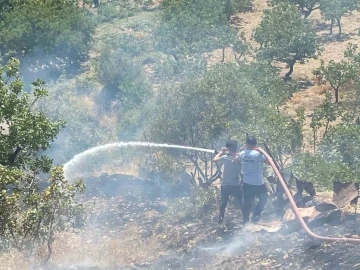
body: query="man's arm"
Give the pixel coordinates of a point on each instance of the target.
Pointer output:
(219, 155)
(238, 158)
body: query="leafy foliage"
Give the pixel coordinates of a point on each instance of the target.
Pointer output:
(46, 27)
(192, 27)
(85, 126)
(322, 116)
(218, 105)
(201, 203)
(290, 42)
(336, 160)
(337, 74)
(22, 128)
(106, 12)
(233, 6)
(282, 134)
(31, 216)
(268, 83)
(122, 74)
(335, 9)
(208, 100)
(342, 144)
(304, 6)
(168, 69)
(32, 210)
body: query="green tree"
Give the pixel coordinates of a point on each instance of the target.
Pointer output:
(84, 117)
(342, 144)
(335, 9)
(315, 168)
(201, 112)
(336, 160)
(191, 27)
(337, 74)
(282, 134)
(123, 78)
(304, 6)
(233, 6)
(268, 83)
(290, 42)
(322, 116)
(32, 209)
(46, 28)
(24, 130)
(228, 36)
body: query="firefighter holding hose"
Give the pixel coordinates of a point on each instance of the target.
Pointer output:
(230, 184)
(253, 183)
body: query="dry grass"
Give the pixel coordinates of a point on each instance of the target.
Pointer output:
(131, 168)
(13, 260)
(118, 248)
(109, 250)
(250, 20)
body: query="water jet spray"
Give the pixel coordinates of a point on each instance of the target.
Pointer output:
(69, 166)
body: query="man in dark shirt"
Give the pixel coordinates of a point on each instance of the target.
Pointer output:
(230, 184)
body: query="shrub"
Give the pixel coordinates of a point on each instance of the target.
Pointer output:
(30, 214)
(201, 203)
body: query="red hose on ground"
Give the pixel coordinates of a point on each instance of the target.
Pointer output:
(296, 211)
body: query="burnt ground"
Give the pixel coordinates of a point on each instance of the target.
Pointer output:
(200, 243)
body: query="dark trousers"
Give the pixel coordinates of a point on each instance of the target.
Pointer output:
(226, 191)
(250, 192)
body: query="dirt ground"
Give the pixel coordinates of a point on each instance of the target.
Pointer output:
(127, 230)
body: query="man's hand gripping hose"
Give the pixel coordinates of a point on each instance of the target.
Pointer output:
(296, 211)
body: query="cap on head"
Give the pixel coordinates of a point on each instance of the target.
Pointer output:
(251, 141)
(232, 145)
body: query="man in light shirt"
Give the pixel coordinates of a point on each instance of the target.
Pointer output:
(230, 184)
(253, 183)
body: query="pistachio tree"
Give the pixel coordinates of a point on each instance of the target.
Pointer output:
(334, 10)
(206, 111)
(338, 74)
(322, 117)
(336, 160)
(33, 207)
(306, 7)
(194, 27)
(291, 42)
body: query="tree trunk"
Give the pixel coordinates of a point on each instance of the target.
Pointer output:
(291, 66)
(326, 128)
(337, 95)
(331, 26)
(206, 169)
(307, 13)
(339, 25)
(228, 9)
(223, 55)
(280, 159)
(314, 138)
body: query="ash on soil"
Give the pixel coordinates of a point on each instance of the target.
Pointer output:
(202, 244)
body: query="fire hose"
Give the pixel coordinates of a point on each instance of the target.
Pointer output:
(296, 210)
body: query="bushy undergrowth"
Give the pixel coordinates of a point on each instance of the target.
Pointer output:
(106, 12)
(201, 203)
